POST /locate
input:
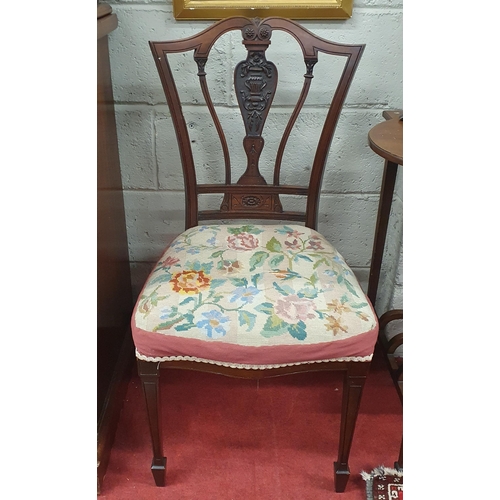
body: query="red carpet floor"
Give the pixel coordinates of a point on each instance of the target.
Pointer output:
(238, 439)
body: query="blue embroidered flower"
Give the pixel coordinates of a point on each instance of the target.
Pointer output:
(213, 324)
(211, 241)
(244, 293)
(193, 250)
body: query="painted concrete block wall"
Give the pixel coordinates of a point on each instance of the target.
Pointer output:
(151, 171)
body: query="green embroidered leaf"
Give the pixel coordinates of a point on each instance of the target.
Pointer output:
(247, 318)
(187, 301)
(358, 306)
(265, 307)
(215, 255)
(313, 279)
(273, 245)
(166, 324)
(257, 259)
(318, 263)
(350, 287)
(284, 230)
(298, 330)
(239, 281)
(304, 257)
(249, 228)
(188, 323)
(217, 282)
(196, 265)
(216, 297)
(274, 326)
(340, 279)
(308, 293)
(276, 260)
(184, 327)
(156, 298)
(289, 274)
(284, 290)
(255, 278)
(162, 278)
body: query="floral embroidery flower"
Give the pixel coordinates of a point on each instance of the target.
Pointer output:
(293, 245)
(213, 324)
(315, 243)
(294, 234)
(244, 293)
(190, 282)
(242, 241)
(334, 325)
(230, 266)
(338, 307)
(293, 309)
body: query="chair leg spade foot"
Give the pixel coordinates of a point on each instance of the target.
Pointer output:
(158, 468)
(342, 474)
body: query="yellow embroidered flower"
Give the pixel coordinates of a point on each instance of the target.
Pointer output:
(338, 307)
(334, 325)
(190, 282)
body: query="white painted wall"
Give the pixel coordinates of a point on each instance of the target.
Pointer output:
(151, 171)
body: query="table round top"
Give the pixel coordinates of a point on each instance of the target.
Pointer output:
(386, 139)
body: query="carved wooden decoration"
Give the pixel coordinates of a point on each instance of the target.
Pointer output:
(255, 81)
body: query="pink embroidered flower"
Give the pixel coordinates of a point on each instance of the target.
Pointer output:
(230, 266)
(293, 245)
(294, 234)
(315, 243)
(292, 309)
(242, 241)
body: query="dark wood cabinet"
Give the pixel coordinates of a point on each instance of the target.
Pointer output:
(114, 293)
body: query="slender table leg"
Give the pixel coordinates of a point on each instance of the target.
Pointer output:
(384, 211)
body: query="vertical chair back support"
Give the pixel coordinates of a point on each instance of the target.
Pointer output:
(255, 83)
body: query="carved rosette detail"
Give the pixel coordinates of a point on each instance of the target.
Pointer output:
(251, 201)
(257, 31)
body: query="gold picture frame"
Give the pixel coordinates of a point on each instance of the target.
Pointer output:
(292, 9)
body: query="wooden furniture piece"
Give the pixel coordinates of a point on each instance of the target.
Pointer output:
(254, 300)
(114, 295)
(386, 139)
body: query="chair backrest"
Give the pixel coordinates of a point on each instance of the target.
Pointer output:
(255, 84)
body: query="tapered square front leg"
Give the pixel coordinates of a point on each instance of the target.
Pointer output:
(354, 382)
(149, 372)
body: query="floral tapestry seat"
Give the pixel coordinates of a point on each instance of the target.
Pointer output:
(253, 296)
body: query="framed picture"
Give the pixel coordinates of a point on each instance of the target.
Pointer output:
(292, 9)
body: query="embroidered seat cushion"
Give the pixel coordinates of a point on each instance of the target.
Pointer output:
(253, 296)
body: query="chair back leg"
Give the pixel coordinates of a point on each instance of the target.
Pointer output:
(354, 381)
(150, 377)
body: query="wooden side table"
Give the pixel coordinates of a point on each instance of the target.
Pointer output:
(386, 139)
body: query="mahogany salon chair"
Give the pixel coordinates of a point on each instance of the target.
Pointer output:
(253, 298)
